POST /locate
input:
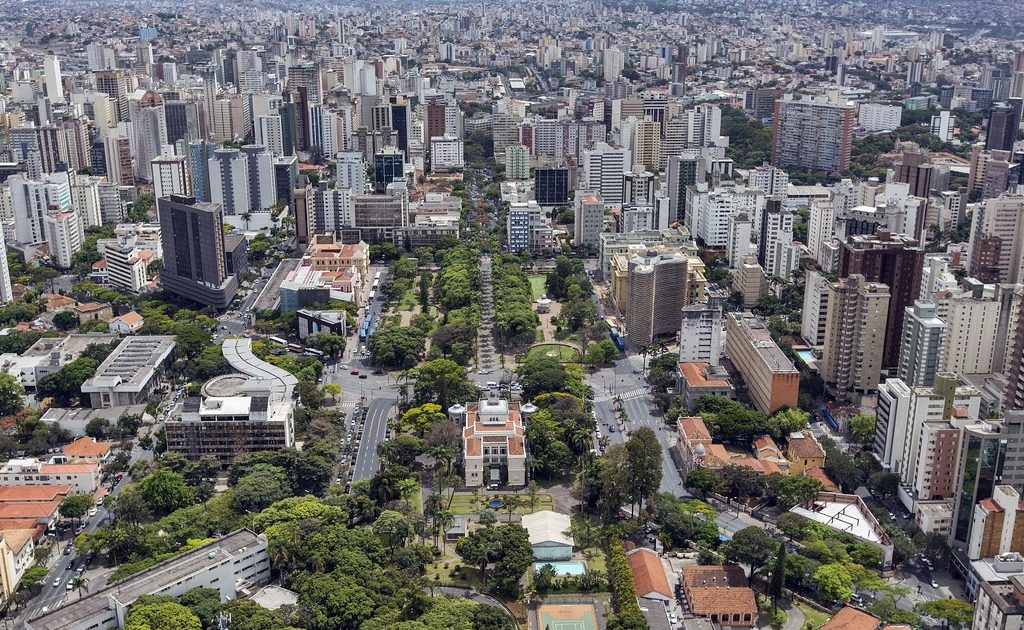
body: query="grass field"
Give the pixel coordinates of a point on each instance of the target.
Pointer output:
(815, 618)
(538, 284)
(465, 504)
(566, 354)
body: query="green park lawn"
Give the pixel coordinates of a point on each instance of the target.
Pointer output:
(538, 284)
(472, 505)
(566, 354)
(815, 618)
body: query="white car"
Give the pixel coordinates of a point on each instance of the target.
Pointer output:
(935, 584)
(92, 511)
(673, 619)
(56, 582)
(344, 367)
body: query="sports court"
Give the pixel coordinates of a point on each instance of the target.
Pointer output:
(567, 617)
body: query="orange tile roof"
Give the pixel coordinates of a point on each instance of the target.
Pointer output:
(699, 575)
(723, 600)
(24, 494)
(29, 509)
(16, 539)
(100, 264)
(695, 374)
(131, 317)
(826, 481)
(694, 428)
(67, 469)
(92, 306)
(516, 446)
(54, 300)
(805, 447)
(473, 447)
(850, 618)
(648, 574)
(23, 523)
(87, 447)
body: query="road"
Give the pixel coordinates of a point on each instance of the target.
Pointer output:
(375, 430)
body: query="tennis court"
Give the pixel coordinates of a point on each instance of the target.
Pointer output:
(567, 617)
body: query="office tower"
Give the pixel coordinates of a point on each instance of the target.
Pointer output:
(942, 126)
(199, 155)
(171, 176)
(1003, 122)
(854, 335)
(924, 338)
(380, 218)
(303, 211)
(387, 167)
(995, 251)
(760, 103)
(815, 134)
(503, 130)
(647, 144)
(229, 182)
(289, 121)
(30, 200)
(913, 168)
(658, 289)
(528, 228)
(700, 337)
(64, 235)
(149, 130)
(52, 80)
(183, 121)
(814, 315)
(604, 170)
(551, 186)
(683, 170)
(517, 162)
(350, 172)
(895, 261)
(114, 84)
(401, 117)
(771, 378)
(286, 178)
(589, 219)
(270, 133)
(195, 252)
(613, 61)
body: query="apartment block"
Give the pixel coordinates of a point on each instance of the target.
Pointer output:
(771, 378)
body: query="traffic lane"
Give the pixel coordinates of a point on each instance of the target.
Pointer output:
(639, 412)
(374, 431)
(51, 595)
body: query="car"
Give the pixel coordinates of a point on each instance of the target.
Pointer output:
(100, 500)
(611, 429)
(673, 619)
(362, 376)
(56, 582)
(934, 584)
(354, 372)
(92, 511)
(68, 587)
(69, 550)
(344, 367)
(81, 528)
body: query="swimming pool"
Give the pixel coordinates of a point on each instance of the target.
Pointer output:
(807, 357)
(568, 567)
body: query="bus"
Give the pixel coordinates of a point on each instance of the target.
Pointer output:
(376, 285)
(373, 296)
(313, 352)
(294, 347)
(278, 340)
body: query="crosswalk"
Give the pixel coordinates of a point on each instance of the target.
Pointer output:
(633, 393)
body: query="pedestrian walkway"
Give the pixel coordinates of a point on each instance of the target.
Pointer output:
(631, 394)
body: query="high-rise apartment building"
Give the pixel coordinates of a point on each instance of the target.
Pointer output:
(854, 335)
(589, 219)
(972, 333)
(64, 235)
(683, 171)
(813, 133)
(149, 129)
(658, 289)
(995, 251)
(528, 228)
(771, 378)
(195, 251)
(924, 338)
(700, 337)
(895, 261)
(815, 308)
(114, 83)
(604, 170)
(517, 162)
(171, 176)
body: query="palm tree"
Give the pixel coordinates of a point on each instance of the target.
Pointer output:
(444, 519)
(78, 583)
(246, 216)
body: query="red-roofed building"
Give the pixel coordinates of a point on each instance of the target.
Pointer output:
(721, 594)
(493, 442)
(84, 478)
(694, 441)
(850, 618)
(696, 378)
(826, 483)
(89, 449)
(130, 322)
(29, 494)
(649, 575)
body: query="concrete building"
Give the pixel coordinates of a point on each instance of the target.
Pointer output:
(228, 565)
(589, 221)
(854, 334)
(996, 529)
(700, 335)
(148, 130)
(995, 250)
(64, 236)
(738, 246)
(877, 117)
(814, 315)
(815, 133)
(196, 254)
(771, 378)
(446, 154)
(129, 373)
(83, 477)
(972, 331)
(659, 286)
(493, 442)
(127, 264)
(922, 347)
(848, 513)
(528, 228)
(891, 259)
(517, 162)
(171, 175)
(604, 170)
(750, 280)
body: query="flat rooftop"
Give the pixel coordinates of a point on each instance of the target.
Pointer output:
(96, 606)
(132, 363)
(239, 354)
(844, 516)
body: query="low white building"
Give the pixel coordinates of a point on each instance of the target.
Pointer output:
(83, 477)
(549, 535)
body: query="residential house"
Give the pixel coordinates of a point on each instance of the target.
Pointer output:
(803, 452)
(649, 575)
(130, 322)
(719, 593)
(91, 311)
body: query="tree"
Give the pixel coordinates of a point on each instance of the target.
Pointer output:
(421, 419)
(204, 603)
(75, 506)
(310, 395)
(331, 389)
(954, 613)
(395, 347)
(165, 491)
(751, 546)
(862, 428)
(444, 382)
(884, 484)
(329, 343)
(97, 428)
(643, 465)
(78, 583)
(260, 488)
(11, 393)
(833, 582)
(160, 613)
(790, 490)
(65, 385)
(739, 482)
(506, 546)
(393, 529)
(65, 320)
(791, 420)
(704, 480)
(778, 577)
(130, 507)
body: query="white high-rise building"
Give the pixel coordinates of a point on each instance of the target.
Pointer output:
(613, 62)
(740, 230)
(942, 126)
(30, 200)
(148, 130)
(517, 162)
(64, 235)
(446, 154)
(51, 79)
(269, 133)
(776, 237)
(921, 346)
(604, 170)
(971, 336)
(773, 181)
(171, 175)
(589, 219)
(323, 130)
(875, 117)
(126, 269)
(6, 293)
(85, 198)
(814, 316)
(229, 181)
(350, 172)
(700, 336)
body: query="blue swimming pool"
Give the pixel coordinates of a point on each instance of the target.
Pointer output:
(568, 567)
(806, 356)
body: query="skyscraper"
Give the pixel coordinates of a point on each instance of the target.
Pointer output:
(815, 134)
(921, 346)
(149, 130)
(604, 169)
(854, 334)
(52, 80)
(195, 253)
